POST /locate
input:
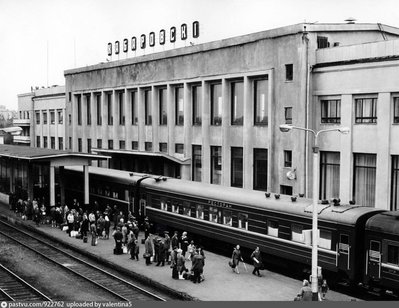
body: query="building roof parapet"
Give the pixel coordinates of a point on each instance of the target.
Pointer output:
(367, 52)
(236, 41)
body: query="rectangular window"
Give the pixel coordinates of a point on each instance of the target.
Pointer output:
(197, 163)
(329, 175)
(60, 143)
(79, 144)
(289, 72)
(216, 104)
(110, 144)
(70, 143)
(179, 105)
(393, 255)
(364, 179)
(60, 116)
(216, 165)
(38, 141)
(88, 109)
(135, 145)
(121, 103)
(296, 233)
(288, 115)
(110, 118)
(396, 110)
(213, 214)
(99, 109)
(287, 158)
(52, 142)
(179, 148)
(366, 110)
(187, 209)
(52, 117)
(242, 221)
(44, 117)
(330, 111)
(199, 212)
(260, 169)
(122, 145)
(175, 207)
(197, 104)
(147, 107)
(148, 146)
(286, 190)
(163, 108)
(325, 239)
(37, 116)
(163, 147)
(322, 42)
(99, 143)
(237, 103)
(227, 218)
(236, 167)
(395, 183)
(88, 145)
(79, 108)
(272, 228)
(45, 145)
(164, 205)
(135, 107)
(260, 93)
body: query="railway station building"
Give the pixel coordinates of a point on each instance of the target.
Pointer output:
(211, 112)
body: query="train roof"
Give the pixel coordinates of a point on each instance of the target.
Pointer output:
(386, 222)
(344, 214)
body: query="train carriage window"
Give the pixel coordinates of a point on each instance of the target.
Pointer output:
(272, 228)
(243, 221)
(393, 255)
(115, 195)
(186, 208)
(107, 191)
(175, 207)
(213, 214)
(164, 205)
(343, 243)
(296, 233)
(126, 195)
(375, 252)
(227, 218)
(325, 239)
(200, 212)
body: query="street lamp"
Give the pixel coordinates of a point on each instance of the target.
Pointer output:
(344, 130)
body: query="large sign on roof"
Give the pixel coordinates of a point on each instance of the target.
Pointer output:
(151, 38)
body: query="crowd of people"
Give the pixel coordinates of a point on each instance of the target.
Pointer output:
(185, 258)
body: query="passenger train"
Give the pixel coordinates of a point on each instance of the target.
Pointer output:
(356, 244)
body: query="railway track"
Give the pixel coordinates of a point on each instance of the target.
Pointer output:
(14, 288)
(118, 287)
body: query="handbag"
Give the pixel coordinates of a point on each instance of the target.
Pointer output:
(146, 255)
(231, 264)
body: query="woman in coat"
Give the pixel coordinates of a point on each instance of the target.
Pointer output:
(257, 261)
(148, 250)
(236, 257)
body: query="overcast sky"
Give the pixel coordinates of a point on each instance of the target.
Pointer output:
(39, 39)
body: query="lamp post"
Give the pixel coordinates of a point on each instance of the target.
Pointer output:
(344, 130)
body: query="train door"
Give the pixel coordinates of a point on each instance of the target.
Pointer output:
(344, 252)
(374, 260)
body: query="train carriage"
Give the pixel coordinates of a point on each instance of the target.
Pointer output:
(382, 251)
(280, 227)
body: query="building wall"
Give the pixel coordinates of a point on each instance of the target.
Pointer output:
(376, 77)
(261, 54)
